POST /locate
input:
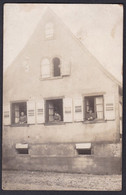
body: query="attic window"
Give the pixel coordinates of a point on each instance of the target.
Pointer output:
(56, 67)
(49, 31)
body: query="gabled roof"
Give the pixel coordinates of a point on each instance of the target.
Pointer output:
(105, 71)
(98, 64)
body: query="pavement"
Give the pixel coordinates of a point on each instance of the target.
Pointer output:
(37, 180)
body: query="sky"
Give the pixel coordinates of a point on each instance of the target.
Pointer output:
(98, 26)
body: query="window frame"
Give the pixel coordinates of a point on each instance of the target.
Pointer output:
(49, 36)
(85, 107)
(11, 114)
(53, 67)
(53, 123)
(52, 77)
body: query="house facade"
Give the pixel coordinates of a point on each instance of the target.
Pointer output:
(61, 108)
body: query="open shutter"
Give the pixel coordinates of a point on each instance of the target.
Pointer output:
(66, 68)
(45, 68)
(99, 107)
(6, 115)
(78, 109)
(31, 112)
(40, 111)
(109, 107)
(67, 109)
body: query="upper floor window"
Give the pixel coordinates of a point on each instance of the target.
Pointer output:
(56, 67)
(19, 113)
(54, 111)
(94, 107)
(49, 30)
(45, 68)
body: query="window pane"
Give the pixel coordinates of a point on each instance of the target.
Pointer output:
(49, 30)
(51, 112)
(56, 67)
(99, 115)
(17, 113)
(99, 107)
(51, 118)
(99, 100)
(89, 104)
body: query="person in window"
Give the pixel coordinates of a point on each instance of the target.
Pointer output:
(23, 118)
(90, 116)
(57, 116)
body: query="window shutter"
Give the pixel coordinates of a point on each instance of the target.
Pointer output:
(78, 109)
(109, 107)
(45, 68)
(67, 109)
(99, 107)
(6, 115)
(31, 112)
(66, 68)
(40, 111)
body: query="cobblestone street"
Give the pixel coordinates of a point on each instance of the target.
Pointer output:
(36, 180)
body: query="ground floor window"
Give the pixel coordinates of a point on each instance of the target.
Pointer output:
(19, 113)
(54, 111)
(94, 108)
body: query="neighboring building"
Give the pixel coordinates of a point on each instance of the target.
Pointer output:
(61, 107)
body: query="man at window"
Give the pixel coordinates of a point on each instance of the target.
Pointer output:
(23, 118)
(90, 115)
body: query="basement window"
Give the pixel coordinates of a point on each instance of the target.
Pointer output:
(94, 108)
(19, 113)
(84, 151)
(22, 151)
(54, 111)
(83, 148)
(22, 148)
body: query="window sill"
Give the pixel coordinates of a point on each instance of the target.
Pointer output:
(22, 155)
(94, 121)
(19, 125)
(51, 78)
(54, 123)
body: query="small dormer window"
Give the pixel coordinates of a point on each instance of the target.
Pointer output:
(49, 31)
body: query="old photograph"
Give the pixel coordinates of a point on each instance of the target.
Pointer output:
(62, 97)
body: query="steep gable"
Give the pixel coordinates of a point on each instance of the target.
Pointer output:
(63, 44)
